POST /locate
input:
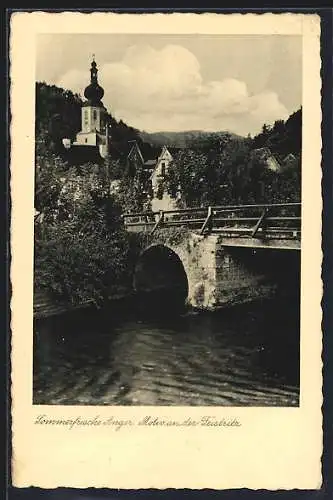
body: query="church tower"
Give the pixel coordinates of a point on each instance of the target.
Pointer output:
(93, 116)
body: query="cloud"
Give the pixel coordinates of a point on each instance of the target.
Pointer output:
(164, 90)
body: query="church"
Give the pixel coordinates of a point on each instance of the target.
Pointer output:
(92, 142)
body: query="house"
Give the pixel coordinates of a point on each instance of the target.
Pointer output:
(290, 161)
(140, 161)
(160, 198)
(289, 158)
(115, 186)
(149, 164)
(267, 158)
(38, 216)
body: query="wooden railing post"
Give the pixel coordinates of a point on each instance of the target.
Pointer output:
(260, 221)
(159, 221)
(208, 221)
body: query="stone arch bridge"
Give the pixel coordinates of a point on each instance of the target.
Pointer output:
(221, 255)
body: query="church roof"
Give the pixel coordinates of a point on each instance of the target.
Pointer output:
(94, 92)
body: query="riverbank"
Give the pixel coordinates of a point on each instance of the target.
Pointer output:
(46, 305)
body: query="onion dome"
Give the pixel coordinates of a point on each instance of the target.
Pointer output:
(94, 92)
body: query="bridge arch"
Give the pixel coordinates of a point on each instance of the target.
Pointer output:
(161, 268)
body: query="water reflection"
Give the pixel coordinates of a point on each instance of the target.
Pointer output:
(247, 355)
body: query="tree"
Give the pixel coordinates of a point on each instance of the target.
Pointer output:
(187, 174)
(209, 176)
(284, 137)
(130, 195)
(81, 248)
(49, 171)
(232, 170)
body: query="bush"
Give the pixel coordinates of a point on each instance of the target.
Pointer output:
(81, 266)
(81, 247)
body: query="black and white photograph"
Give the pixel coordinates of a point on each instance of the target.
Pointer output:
(166, 251)
(167, 220)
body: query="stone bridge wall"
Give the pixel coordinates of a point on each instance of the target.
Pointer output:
(217, 275)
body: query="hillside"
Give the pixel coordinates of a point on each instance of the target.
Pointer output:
(180, 139)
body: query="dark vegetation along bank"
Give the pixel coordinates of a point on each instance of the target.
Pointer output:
(82, 252)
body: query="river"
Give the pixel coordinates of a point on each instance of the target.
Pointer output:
(247, 355)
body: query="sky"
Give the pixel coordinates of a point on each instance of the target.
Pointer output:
(162, 82)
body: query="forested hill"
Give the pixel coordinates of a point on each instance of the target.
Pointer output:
(58, 115)
(180, 139)
(282, 138)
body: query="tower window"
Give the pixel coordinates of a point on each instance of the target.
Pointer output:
(163, 168)
(86, 117)
(95, 115)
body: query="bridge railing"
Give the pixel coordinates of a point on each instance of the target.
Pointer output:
(281, 220)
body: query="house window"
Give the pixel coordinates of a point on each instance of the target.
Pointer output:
(86, 140)
(86, 117)
(163, 168)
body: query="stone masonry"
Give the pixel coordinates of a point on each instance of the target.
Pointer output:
(220, 276)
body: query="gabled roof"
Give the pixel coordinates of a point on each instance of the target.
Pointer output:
(263, 151)
(170, 149)
(267, 153)
(289, 157)
(147, 152)
(135, 148)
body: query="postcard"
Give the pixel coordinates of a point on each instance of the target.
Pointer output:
(165, 182)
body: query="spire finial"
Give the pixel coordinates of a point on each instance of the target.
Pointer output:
(94, 92)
